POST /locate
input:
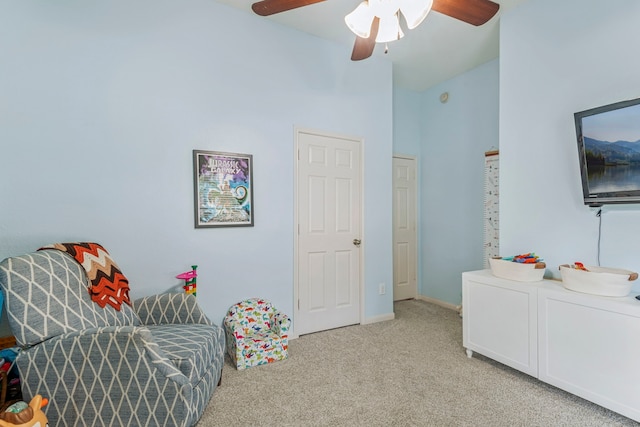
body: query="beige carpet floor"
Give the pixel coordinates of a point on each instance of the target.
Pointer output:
(410, 371)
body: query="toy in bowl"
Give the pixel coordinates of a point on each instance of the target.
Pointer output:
(608, 282)
(521, 268)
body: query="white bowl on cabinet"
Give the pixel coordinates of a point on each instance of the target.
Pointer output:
(517, 271)
(604, 281)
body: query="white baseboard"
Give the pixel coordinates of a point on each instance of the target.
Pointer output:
(456, 308)
(380, 318)
(391, 316)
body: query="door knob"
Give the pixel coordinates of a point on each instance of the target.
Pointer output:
(357, 242)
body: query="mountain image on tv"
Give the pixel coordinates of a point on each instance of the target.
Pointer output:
(609, 139)
(612, 167)
(604, 153)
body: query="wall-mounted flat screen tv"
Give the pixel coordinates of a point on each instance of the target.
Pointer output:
(609, 152)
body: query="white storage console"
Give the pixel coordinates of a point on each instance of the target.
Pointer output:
(585, 344)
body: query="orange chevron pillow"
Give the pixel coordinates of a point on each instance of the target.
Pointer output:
(108, 284)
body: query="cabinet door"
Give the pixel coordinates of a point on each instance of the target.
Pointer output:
(590, 346)
(500, 320)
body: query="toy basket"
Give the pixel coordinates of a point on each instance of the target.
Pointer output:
(609, 282)
(517, 271)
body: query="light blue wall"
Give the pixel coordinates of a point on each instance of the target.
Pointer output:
(102, 104)
(449, 141)
(455, 136)
(407, 122)
(407, 137)
(582, 55)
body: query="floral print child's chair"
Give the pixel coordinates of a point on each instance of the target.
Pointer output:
(256, 333)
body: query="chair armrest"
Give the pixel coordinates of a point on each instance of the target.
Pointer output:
(236, 329)
(170, 308)
(281, 324)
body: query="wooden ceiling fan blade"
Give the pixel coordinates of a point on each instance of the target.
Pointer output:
(363, 48)
(270, 7)
(474, 12)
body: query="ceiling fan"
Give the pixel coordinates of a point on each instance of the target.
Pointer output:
(474, 12)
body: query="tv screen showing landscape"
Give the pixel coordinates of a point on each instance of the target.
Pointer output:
(609, 145)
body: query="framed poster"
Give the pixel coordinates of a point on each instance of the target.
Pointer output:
(223, 189)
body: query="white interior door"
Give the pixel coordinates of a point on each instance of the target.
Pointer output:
(329, 231)
(405, 247)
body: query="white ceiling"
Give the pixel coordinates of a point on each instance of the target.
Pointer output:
(439, 49)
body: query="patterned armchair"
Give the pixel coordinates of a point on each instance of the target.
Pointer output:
(256, 333)
(155, 363)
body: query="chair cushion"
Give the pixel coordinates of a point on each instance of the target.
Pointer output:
(190, 346)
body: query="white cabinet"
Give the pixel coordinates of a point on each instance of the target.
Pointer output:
(585, 344)
(590, 346)
(499, 320)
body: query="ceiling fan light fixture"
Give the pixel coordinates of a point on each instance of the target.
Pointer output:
(414, 11)
(359, 21)
(372, 17)
(389, 29)
(384, 8)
